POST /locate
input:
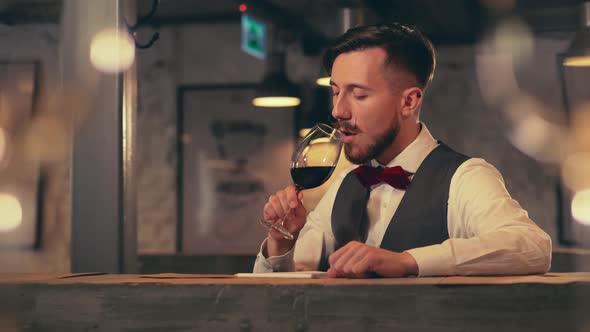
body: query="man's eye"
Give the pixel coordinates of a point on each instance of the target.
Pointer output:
(360, 97)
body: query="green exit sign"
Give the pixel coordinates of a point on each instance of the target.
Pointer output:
(253, 37)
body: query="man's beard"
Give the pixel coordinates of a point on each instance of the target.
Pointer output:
(374, 150)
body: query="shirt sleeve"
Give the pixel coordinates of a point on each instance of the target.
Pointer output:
(489, 232)
(283, 263)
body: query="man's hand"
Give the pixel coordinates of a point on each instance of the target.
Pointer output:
(358, 260)
(284, 202)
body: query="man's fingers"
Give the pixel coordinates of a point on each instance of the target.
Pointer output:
(361, 268)
(269, 212)
(277, 206)
(344, 260)
(291, 195)
(354, 260)
(350, 267)
(334, 257)
(284, 201)
(338, 258)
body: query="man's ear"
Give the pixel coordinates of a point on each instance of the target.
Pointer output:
(411, 101)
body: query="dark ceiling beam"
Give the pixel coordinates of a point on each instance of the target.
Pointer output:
(31, 12)
(210, 18)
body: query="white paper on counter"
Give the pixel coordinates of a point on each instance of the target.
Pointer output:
(297, 275)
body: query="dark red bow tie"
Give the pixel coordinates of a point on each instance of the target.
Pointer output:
(394, 176)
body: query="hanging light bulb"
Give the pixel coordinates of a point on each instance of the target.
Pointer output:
(578, 54)
(276, 90)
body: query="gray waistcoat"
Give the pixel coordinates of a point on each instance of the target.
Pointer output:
(421, 218)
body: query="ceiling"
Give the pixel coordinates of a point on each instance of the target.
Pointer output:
(445, 22)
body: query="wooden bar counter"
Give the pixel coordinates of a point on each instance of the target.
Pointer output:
(186, 302)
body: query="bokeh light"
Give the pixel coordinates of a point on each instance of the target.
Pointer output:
(533, 135)
(508, 48)
(581, 206)
(11, 212)
(496, 79)
(112, 51)
(514, 37)
(304, 131)
(575, 171)
(323, 81)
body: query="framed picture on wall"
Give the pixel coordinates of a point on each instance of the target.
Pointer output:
(21, 182)
(232, 156)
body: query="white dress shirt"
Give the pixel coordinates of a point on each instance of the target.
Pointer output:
(489, 232)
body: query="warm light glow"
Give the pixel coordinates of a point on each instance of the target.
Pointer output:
(581, 206)
(577, 61)
(531, 133)
(243, 7)
(11, 213)
(303, 132)
(112, 51)
(323, 81)
(514, 37)
(575, 171)
(276, 101)
(496, 78)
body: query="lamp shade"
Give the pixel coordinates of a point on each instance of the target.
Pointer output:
(578, 54)
(276, 90)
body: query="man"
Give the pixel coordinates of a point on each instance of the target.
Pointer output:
(431, 212)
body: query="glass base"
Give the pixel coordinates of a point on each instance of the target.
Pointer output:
(278, 227)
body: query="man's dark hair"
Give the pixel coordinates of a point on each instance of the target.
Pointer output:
(406, 48)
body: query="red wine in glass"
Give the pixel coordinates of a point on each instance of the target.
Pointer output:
(312, 163)
(311, 176)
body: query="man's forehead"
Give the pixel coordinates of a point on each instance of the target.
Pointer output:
(363, 67)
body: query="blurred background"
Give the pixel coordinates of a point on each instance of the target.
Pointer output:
(135, 136)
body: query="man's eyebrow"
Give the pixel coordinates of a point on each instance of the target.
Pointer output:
(353, 85)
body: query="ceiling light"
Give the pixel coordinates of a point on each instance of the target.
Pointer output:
(578, 54)
(276, 90)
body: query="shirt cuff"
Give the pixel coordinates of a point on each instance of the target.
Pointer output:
(283, 263)
(435, 260)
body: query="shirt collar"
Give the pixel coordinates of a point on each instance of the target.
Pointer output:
(415, 153)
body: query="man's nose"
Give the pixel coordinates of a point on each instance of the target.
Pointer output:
(340, 109)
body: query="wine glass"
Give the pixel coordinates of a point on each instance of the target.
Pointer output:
(312, 163)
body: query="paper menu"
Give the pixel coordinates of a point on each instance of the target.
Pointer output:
(287, 275)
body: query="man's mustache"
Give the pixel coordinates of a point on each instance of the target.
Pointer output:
(346, 126)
